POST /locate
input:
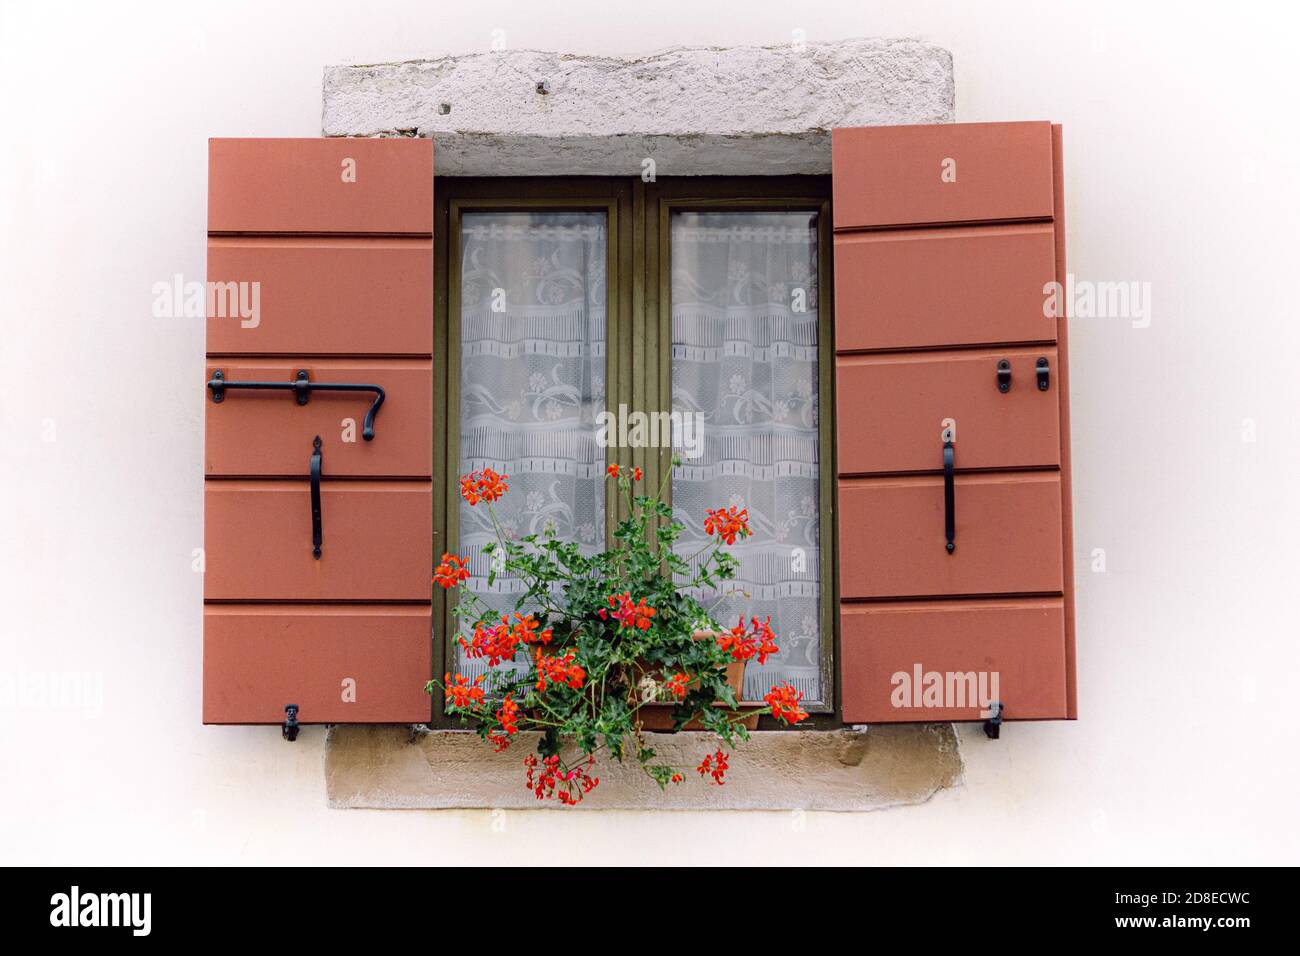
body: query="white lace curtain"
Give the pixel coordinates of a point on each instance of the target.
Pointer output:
(532, 358)
(744, 314)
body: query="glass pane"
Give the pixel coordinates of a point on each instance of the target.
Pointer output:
(532, 380)
(744, 312)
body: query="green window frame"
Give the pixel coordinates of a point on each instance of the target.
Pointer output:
(639, 341)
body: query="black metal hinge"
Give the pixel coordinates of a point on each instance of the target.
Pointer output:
(993, 726)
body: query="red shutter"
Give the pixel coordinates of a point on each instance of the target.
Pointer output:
(945, 237)
(337, 234)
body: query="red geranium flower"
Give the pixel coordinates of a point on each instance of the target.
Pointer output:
(636, 615)
(568, 785)
(497, 643)
(759, 641)
(525, 630)
(728, 524)
(677, 685)
(509, 717)
(461, 693)
(451, 571)
(469, 488)
(714, 765)
(560, 670)
(784, 701)
(485, 485)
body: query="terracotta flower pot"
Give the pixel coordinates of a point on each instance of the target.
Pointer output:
(658, 715)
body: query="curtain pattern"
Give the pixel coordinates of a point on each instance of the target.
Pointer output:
(744, 353)
(532, 358)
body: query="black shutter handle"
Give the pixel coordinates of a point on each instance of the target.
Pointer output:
(315, 498)
(949, 502)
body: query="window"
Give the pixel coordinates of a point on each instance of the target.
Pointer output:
(559, 298)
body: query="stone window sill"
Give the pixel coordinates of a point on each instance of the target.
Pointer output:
(389, 767)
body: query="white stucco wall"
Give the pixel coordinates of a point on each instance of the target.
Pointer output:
(1180, 171)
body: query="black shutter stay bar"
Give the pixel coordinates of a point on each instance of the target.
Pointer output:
(302, 387)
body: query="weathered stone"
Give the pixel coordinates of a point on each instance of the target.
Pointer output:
(388, 767)
(694, 111)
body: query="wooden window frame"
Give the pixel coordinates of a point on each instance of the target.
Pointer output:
(639, 324)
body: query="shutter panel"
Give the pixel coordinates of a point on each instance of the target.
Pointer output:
(337, 234)
(945, 237)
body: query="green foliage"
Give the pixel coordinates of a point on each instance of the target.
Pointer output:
(611, 633)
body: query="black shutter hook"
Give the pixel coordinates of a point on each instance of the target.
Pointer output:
(949, 499)
(315, 498)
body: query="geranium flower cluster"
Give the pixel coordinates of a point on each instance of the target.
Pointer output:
(500, 642)
(728, 524)
(452, 571)
(627, 614)
(485, 485)
(560, 670)
(508, 716)
(714, 765)
(745, 644)
(677, 685)
(462, 693)
(549, 778)
(784, 701)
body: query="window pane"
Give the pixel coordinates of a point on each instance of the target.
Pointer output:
(532, 380)
(744, 313)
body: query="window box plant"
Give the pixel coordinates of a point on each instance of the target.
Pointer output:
(613, 645)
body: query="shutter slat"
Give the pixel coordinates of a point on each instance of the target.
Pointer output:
(962, 172)
(943, 287)
(375, 540)
(902, 398)
(329, 186)
(1008, 536)
(344, 296)
(339, 664)
(1023, 642)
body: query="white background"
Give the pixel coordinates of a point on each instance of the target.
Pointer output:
(1181, 165)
